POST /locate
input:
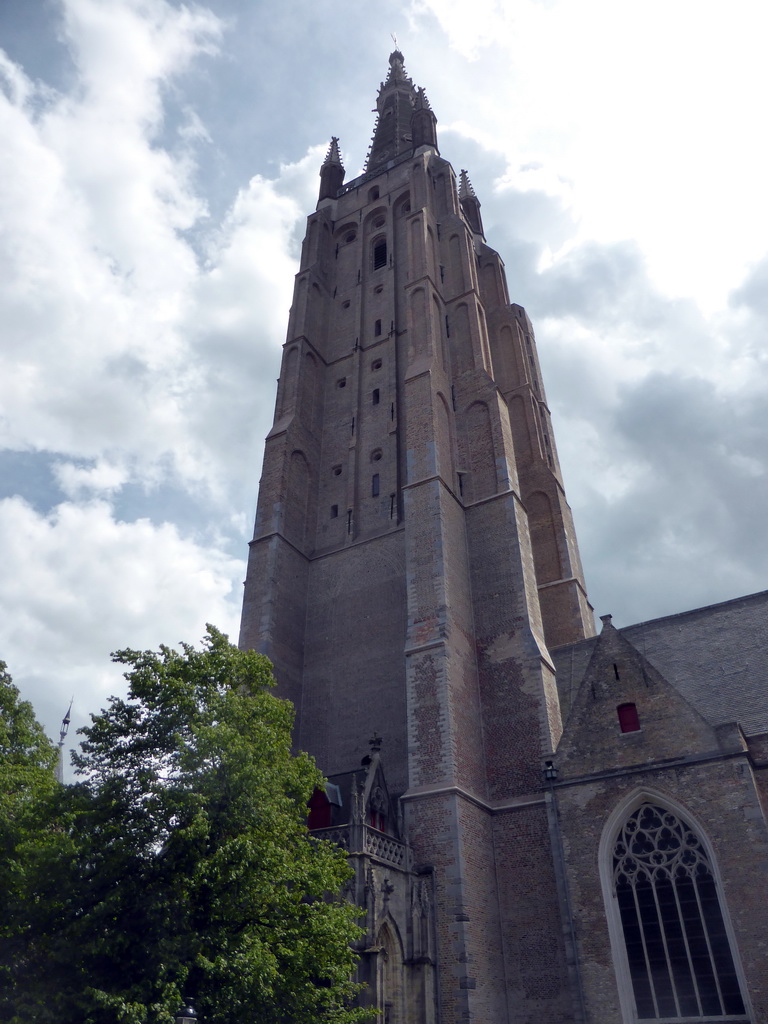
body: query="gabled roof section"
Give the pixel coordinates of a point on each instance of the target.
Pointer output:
(716, 657)
(621, 684)
(364, 795)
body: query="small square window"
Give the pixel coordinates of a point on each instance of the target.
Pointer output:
(629, 720)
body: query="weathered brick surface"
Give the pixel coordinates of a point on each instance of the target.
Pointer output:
(676, 759)
(715, 656)
(396, 569)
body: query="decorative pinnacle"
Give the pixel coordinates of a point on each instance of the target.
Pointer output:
(333, 156)
(420, 101)
(465, 186)
(375, 743)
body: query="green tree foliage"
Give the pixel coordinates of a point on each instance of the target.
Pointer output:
(27, 779)
(181, 864)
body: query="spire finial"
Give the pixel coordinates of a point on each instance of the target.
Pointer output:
(465, 186)
(333, 156)
(62, 737)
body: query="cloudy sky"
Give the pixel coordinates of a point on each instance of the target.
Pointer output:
(158, 160)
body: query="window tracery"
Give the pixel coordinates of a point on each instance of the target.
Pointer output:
(677, 947)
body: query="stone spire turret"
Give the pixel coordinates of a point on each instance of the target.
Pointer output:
(423, 122)
(332, 171)
(397, 104)
(470, 204)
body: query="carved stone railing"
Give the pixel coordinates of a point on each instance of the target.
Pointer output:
(384, 847)
(338, 835)
(360, 838)
(369, 175)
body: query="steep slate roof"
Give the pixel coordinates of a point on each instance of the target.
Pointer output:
(716, 656)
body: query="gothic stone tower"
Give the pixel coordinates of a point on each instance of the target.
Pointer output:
(414, 556)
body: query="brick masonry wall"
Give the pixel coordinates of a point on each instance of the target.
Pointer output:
(718, 798)
(676, 758)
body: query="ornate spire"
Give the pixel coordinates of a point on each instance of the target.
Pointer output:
(465, 186)
(392, 133)
(470, 204)
(333, 156)
(332, 172)
(420, 101)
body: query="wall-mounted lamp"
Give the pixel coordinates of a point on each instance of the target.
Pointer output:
(550, 772)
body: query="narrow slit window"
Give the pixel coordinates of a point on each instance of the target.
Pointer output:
(375, 485)
(380, 254)
(377, 328)
(375, 396)
(629, 720)
(334, 511)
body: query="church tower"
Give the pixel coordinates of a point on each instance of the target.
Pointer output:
(413, 561)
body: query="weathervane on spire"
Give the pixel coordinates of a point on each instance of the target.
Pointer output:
(62, 736)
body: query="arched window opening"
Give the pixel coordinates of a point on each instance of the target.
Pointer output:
(677, 947)
(629, 720)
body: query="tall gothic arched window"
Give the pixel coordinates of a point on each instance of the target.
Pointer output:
(677, 946)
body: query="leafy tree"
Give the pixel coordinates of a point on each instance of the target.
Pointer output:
(27, 778)
(181, 864)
